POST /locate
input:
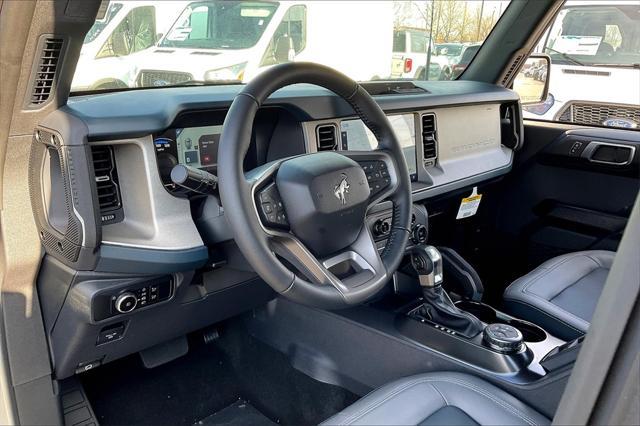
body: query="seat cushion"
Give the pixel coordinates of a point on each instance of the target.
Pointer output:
(561, 294)
(438, 399)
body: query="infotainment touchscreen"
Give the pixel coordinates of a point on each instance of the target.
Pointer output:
(198, 146)
(357, 137)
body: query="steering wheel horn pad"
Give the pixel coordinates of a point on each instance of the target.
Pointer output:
(325, 196)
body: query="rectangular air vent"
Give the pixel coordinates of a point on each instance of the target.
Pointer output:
(106, 176)
(46, 69)
(326, 137)
(429, 139)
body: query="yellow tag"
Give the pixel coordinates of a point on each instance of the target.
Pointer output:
(469, 206)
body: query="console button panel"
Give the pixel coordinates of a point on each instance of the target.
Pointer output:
(132, 298)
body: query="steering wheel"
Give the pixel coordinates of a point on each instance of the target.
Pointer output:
(300, 221)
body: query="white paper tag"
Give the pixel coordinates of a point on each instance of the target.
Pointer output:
(469, 206)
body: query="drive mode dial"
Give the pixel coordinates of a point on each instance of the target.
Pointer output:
(126, 302)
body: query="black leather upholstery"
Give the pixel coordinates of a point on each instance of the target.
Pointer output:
(561, 294)
(438, 399)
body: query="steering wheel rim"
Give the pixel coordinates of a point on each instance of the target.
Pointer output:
(264, 247)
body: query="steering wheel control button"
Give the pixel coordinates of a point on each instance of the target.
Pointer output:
(271, 208)
(377, 176)
(503, 338)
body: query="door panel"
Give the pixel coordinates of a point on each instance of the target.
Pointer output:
(559, 200)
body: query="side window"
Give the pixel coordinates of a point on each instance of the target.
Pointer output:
(418, 42)
(289, 39)
(594, 78)
(198, 22)
(399, 41)
(136, 32)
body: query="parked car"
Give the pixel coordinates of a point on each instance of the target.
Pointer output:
(122, 28)
(411, 47)
(450, 51)
(459, 64)
(234, 41)
(594, 44)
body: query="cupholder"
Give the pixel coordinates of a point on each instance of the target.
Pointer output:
(485, 313)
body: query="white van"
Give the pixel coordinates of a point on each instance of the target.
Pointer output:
(595, 65)
(121, 28)
(216, 40)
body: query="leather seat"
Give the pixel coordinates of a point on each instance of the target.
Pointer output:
(438, 399)
(561, 294)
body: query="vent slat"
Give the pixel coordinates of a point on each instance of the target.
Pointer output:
(46, 72)
(429, 138)
(106, 177)
(326, 137)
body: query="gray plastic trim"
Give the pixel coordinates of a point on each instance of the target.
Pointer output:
(153, 218)
(148, 261)
(467, 154)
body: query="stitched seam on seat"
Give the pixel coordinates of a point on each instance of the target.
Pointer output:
(371, 407)
(547, 302)
(446, 403)
(547, 314)
(545, 273)
(510, 408)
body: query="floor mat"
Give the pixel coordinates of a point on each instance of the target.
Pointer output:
(239, 413)
(208, 379)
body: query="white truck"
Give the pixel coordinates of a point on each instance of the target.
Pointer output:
(595, 65)
(410, 50)
(121, 28)
(216, 40)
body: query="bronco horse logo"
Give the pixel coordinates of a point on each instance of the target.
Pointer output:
(342, 189)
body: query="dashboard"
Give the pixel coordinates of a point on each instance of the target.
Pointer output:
(125, 247)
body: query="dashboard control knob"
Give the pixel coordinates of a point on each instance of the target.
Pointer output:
(126, 302)
(503, 337)
(419, 234)
(381, 227)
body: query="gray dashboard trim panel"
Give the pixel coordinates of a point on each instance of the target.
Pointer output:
(149, 261)
(136, 113)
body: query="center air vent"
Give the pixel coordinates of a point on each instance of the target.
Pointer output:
(45, 72)
(326, 137)
(106, 177)
(429, 139)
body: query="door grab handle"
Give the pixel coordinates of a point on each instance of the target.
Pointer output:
(593, 146)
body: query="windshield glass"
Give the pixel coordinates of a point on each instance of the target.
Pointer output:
(181, 42)
(220, 25)
(100, 24)
(596, 34)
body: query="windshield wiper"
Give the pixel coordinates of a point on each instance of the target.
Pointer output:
(565, 56)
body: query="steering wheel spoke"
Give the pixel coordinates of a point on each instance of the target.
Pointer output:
(358, 264)
(381, 171)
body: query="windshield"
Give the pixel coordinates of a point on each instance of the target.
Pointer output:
(100, 24)
(597, 34)
(450, 50)
(220, 25)
(177, 42)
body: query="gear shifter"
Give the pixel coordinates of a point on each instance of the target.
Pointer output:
(438, 307)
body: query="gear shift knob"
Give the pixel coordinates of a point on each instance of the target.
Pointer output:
(427, 261)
